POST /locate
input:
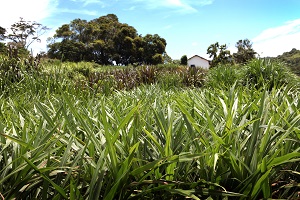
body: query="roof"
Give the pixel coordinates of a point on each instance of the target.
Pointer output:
(198, 57)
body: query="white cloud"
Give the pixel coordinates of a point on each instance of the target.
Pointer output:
(274, 41)
(35, 10)
(29, 10)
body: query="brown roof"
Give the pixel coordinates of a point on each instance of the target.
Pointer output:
(198, 57)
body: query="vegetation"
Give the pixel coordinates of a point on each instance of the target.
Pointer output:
(292, 60)
(245, 51)
(183, 60)
(81, 130)
(105, 41)
(235, 135)
(22, 34)
(219, 54)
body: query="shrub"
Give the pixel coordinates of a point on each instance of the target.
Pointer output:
(262, 73)
(193, 77)
(223, 77)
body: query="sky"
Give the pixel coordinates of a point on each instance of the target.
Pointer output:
(189, 26)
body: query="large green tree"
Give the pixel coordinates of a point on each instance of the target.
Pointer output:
(154, 48)
(106, 41)
(124, 44)
(245, 51)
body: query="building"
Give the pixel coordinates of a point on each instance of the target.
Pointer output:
(198, 61)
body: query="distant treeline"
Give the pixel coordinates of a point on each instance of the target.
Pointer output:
(292, 59)
(105, 41)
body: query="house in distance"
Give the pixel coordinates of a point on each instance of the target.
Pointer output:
(198, 61)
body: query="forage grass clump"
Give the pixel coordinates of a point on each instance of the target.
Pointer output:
(267, 74)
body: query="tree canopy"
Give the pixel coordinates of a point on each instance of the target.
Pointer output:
(20, 36)
(2, 33)
(24, 33)
(183, 60)
(105, 40)
(245, 51)
(219, 54)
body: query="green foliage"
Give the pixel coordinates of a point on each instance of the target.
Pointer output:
(2, 33)
(105, 41)
(292, 59)
(219, 54)
(13, 70)
(167, 59)
(266, 74)
(68, 51)
(258, 73)
(183, 60)
(24, 33)
(10, 72)
(60, 140)
(193, 77)
(223, 77)
(3, 49)
(245, 51)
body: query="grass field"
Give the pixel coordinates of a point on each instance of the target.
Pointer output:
(79, 131)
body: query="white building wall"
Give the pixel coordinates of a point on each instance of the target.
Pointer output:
(198, 62)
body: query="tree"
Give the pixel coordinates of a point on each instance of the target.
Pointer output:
(3, 47)
(167, 58)
(183, 60)
(219, 54)
(157, 59)
(2, 33)
(64, 32)
(154, 48)
(24, 33)
(138, 49)
(68, 50)
(224, 56)
(212, 50)
(125, 45)
(105, 40)
(78, 29)
(245, 51)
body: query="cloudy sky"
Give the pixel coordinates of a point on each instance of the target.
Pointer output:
(189, 26)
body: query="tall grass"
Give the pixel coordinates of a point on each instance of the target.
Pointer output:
(258, 73)
(60, 142)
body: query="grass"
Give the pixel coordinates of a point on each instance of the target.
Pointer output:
(62, 142)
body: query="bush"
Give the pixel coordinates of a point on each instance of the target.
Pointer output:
(10, 71)
(258, 74)
(223, 76)
(262, 73)
(193, 77)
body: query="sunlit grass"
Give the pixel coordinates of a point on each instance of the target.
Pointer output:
(59, 141)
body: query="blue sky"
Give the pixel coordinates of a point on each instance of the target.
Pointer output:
(189, 26)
